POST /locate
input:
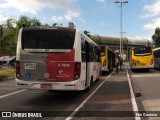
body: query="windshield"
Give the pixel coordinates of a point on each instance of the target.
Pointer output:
(142, 51)
(40, 39)
(102, 50)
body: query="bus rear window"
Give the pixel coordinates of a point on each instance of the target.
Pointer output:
(47, 39)
(142, 51)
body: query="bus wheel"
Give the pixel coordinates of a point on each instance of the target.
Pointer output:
(89, 86)
(147, 69)
(97, 79)
(51, 91)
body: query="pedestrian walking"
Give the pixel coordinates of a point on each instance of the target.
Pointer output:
(116, 61)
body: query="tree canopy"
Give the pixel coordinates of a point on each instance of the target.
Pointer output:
(156, 37)
(9, 31)
(11, 28)
(87, 33)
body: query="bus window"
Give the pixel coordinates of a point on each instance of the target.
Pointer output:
(103, 50)
(91, 53)
(83, 50)
(157, 58)
(142, 51)
(47, 39)
(97, 54)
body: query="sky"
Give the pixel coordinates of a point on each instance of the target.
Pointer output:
(102, 17)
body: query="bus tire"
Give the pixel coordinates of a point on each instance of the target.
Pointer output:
(97, 79)
(89, 86)
(147, 69)
(51, 91)
(132, 70)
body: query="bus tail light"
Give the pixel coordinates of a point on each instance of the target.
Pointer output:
(104, 63)
(151, 62)
(18, 75)
(134, 62)
(77, 70)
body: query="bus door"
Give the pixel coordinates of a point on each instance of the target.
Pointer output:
(87, 63)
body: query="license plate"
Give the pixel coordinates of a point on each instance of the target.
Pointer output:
(46, 86)
(30, 66)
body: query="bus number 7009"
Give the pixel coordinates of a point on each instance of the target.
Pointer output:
(63, 65)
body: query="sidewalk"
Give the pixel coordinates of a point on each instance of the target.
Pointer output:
(113, 98)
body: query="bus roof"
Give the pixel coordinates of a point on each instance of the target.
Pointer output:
(156, 49)
(47, 27)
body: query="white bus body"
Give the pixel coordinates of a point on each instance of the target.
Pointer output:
(156, 52)
(55, 58)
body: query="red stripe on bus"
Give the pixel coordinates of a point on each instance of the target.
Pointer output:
(58, 67)
(60, 71)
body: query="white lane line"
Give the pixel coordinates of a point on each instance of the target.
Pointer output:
(70, 117)
(134, 104)
(9, 94)
(146, 75)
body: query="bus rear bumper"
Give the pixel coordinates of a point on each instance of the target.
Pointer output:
(76, 85)
(104, 69)
(142, 67)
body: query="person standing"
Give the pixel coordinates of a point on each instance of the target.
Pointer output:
(116, 61)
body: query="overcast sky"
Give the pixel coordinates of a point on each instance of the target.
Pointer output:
(140, 17)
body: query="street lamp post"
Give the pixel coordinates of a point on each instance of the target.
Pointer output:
(121, 4)
(122, 45)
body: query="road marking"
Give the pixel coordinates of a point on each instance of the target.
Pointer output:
(146, 75)
(70, 117)
(9, 94)
(134, 104)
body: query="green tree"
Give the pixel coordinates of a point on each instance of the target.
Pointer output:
(23, 20)
(55, 24)
(156, 37)
(35, 22)
(58, 25)
(10, 23)
(12, 26)
(87, 33)
(10, 31)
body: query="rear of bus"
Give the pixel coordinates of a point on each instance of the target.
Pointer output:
(46, 59)
(156, 52)
(104, 59)
(142, 57)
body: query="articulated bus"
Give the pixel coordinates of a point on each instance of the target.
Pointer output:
(156, 52)
(107, 59)
(56, 58)
(141, 57)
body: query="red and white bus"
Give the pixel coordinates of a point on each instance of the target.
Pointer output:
(56, 58)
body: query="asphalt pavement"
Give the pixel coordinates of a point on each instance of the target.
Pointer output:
(110, 101)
